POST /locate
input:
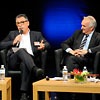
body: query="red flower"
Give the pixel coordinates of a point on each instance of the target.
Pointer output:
(76, 72)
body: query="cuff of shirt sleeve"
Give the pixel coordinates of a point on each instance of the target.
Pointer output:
(67, 50)
(89, 51)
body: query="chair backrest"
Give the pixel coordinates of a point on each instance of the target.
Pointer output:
(97, 63)
(3, 55)
(3, 60)
(58, 60)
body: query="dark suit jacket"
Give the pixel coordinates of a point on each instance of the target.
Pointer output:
(75, 40)
(34, 36)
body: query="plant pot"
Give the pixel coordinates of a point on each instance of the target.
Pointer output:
(80, 79)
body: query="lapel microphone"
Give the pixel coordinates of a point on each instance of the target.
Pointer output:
(19, 42)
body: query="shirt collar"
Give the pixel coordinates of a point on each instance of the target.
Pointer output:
(26, 33)
(91, 33)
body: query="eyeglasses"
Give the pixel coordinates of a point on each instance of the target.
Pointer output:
(21, 22)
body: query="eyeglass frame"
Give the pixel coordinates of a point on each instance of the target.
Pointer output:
(21, 22)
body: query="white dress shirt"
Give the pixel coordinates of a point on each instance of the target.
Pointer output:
(25, 43)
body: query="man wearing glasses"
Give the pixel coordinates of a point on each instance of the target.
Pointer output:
(28, 44)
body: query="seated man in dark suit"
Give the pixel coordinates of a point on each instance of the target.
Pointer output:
(81, 47)
(29, 43)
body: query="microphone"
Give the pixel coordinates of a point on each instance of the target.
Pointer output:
(19, 42)
(21, 32)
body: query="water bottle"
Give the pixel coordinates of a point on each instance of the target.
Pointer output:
(85, 71)
(2, 73)
(65, 73)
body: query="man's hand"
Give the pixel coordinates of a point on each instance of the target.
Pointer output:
(74, 52)
(83, 52)
(78, 52)
(17, 39)
(42, 46)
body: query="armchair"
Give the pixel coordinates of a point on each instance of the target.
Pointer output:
(9, 72)
(59, 54)
(16, 74)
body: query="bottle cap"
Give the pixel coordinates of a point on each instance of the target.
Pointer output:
(2, 66)
(84, 67)
(65, 67)
(47, 78)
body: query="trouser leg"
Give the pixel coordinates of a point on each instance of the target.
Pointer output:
(26, 59)
(74, 62)
(25, 78)
(26, 63)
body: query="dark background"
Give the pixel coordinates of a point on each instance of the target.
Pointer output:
(35, 11)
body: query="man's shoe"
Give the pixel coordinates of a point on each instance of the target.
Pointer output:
(39, 73)
(24, 96)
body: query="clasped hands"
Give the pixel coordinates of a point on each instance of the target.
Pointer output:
(78, 52)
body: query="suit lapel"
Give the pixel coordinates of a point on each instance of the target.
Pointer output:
(80, 39)
(31, 40)
(92, 41)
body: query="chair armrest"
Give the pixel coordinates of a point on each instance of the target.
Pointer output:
(58, 60)
(96, 63)
(43, 58)
(40, 72)
(3, 56)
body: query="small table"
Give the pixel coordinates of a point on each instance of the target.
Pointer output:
(61, 86)
(5, 87)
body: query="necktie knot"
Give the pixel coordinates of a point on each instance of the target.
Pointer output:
(87, 35)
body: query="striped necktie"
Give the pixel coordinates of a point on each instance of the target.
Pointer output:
(83, 42)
